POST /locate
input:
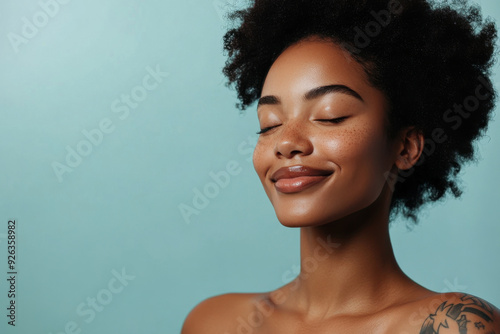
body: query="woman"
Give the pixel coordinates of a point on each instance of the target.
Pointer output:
(367, 109)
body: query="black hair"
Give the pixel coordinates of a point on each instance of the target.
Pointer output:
(431, 59)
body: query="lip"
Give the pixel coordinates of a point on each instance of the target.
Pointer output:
(298, 178)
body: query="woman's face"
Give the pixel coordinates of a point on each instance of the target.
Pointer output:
(324, 151)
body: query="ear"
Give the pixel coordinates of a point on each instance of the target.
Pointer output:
(410, 146)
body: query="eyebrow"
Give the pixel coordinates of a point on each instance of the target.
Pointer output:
(313, 94)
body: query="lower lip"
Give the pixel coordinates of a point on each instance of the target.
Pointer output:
(297, 184)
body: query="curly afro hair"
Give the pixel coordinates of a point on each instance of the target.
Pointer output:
(432, 60)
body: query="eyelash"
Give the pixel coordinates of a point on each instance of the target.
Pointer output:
(266, 129)
(333, 120)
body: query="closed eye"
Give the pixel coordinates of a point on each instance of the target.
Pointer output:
(334, 120)
(264, 130)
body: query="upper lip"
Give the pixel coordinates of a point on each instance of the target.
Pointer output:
(297, 171)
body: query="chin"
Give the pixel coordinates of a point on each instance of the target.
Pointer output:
(302, 215)
(308, 219)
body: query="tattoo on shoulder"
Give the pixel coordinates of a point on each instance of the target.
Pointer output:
(468, 315)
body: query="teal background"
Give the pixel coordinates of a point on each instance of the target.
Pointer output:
(118, 209)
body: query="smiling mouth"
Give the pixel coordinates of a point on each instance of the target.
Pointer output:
(294, 179)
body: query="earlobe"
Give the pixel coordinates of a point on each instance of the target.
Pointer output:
(411, 147)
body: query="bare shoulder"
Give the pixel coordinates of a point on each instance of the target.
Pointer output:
(452, 313)
(220, 314)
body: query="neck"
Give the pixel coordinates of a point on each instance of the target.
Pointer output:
(348, 266)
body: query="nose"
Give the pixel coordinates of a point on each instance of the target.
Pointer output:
(293, 140)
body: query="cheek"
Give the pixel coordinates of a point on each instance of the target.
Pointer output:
(367, 144)
(361, 154)
(259, 159)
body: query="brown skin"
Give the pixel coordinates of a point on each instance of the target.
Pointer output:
(350, 281)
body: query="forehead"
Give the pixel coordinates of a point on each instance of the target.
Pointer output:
(315, 62)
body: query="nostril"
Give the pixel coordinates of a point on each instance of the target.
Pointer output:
(295, 152)
(288, 153)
